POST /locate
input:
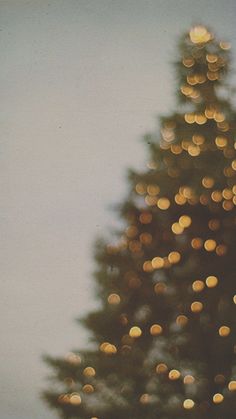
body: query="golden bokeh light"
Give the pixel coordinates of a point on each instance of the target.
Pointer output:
(196, 307)
(174, 257)
(224, 331)
(156, 330)
(176, 149)
(73, 358)
(157, 262)
(221, 141)
(141, 188)
(188, 404)
(145, 238)
(196, 243)
(211, 281)
(232, 386)
(214, 224)
(189, 379)
(135, 332)
(153, 190)
(176, 228)
(147, 266)
(181, 320)
(185, 221)
(198, 285)
(221, 249)
(88, 388)
(194, 150)
(218, 398)
(234, 299)
(198, 139)
(211, 58)
(225, 45)
(227, 193)
(75, 399)
(131, 231)
(216, 196)
(199, 35)
(150, 200)
(108, 348)
(188, 62)
(145, 217)
(228, 205)
(145, 398)
(233, 164)
(160, 288)
(180, 200)
(161, 368)
(200, 118)
(163, 203)
(174, 375)
(210, 245)
(64, 398)
(89, 372)
(135, 246)
(113, 299)
(208, 182)
(189, 118)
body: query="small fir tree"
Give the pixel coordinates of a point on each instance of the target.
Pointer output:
(164, 336)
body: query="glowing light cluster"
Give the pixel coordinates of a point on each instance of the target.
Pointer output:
(192, 118)
(108, 348)
(200, 35)
(73, 398)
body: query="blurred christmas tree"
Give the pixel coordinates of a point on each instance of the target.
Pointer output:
(164, 337)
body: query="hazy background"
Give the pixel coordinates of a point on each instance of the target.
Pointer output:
(81, 81)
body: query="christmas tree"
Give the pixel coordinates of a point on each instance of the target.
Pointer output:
(164, 341)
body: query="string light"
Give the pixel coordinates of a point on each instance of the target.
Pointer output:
(224, 331)
(211, 281)
(135, 332)
(89, 372)
(189, 379)
(174, 257)
(174, 375)
(196, 307)
(232, 386)
(161, 368)
(218, 398)
(156, 330)
(199, 35)
(188, 404)
(113, 299)
(198, 286)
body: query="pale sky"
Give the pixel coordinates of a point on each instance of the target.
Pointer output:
(81, 82)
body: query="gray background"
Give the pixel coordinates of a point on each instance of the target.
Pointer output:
(81, 81)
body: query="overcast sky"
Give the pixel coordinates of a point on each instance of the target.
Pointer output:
(81, 82)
